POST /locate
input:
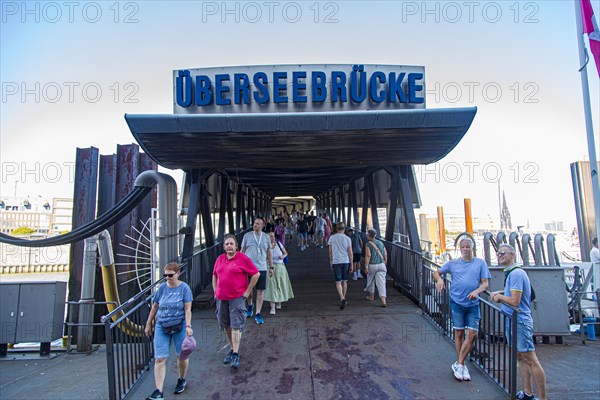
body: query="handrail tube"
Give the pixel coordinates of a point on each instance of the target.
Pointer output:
(167, 213)
(553, 259)
(526, 245)
(538, 241)
(487, 239)
(513, 238)
(111, 314)
(500, 238)
(106, 220)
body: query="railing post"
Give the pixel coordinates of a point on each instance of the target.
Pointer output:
(513, 355)
(422, 282)
(110, 359)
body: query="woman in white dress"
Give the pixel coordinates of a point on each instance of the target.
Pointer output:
(279, 287)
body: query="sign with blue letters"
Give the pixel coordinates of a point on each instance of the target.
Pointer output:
(298, 88)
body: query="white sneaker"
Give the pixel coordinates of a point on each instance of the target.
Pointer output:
(354, 278)
(278, 306)
(272, 312)
(457, 369)
(466, 376)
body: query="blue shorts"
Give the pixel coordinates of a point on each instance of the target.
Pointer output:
(525, 341)
(302, 234)
(340, 271)
(465, 317)
(162, 341)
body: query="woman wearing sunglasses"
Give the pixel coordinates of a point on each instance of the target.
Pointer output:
(172, 307)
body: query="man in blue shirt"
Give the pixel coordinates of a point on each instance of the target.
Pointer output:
(470, 277)
(517, 293)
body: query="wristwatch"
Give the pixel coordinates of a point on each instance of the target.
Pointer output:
(188, 326)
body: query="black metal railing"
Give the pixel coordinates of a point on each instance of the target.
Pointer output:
(128, 351)
(493, 352)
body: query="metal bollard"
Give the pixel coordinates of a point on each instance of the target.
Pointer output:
(590, 328)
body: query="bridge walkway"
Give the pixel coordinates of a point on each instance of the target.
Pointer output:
(313, 350)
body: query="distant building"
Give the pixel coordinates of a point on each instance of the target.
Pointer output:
(554, 226)
(47, 216)
(455, 224)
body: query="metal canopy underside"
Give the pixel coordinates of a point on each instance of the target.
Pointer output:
(300, 154)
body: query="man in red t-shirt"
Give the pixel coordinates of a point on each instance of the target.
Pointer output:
(231, 288)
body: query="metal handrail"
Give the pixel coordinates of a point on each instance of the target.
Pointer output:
(494, 355)
(128, 352)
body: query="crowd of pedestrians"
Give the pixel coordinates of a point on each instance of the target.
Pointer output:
(260, 264)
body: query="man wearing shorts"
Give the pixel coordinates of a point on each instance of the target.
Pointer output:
(256, 246)
(340, 261)
(302, 228)
(517, 293)
(470, 277)
(231, 288)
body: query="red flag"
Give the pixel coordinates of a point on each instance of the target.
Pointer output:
(591, 28)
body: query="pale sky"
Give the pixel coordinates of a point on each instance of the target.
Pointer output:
(70, 71)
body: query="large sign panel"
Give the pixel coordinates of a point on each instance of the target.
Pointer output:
(298, 88)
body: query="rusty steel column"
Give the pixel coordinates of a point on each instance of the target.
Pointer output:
(84, 211)
(127, 170)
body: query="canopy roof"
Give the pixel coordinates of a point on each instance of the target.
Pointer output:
(296, 154)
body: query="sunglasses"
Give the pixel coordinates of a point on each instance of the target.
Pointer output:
(168, 275)
(501, 253)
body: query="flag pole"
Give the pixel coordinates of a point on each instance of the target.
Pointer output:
(588, 119)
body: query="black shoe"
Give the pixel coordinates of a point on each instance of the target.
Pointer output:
(180, 387)
(343, 304)
(521, 395)
(235, 361)
(156, 395)
(227, 358)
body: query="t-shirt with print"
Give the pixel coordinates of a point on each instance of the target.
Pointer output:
(256, 247)
(232, 275)
(518, 280)
(171, 302)
(339, 248)
(466, 277)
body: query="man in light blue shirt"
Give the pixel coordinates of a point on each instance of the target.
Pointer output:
(470, 277)
(517, 293)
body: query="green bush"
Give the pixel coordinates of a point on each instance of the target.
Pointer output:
(23, 230)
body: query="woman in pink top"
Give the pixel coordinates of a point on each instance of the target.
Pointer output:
(327, 233)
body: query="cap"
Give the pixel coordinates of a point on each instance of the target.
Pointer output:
(187, 347)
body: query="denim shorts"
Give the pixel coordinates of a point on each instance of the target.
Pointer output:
(162, 341)
(465, 317)
(525, 341)
(340, 271)
(302, 234)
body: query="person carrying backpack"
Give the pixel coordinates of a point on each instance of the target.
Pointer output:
(517, 293)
